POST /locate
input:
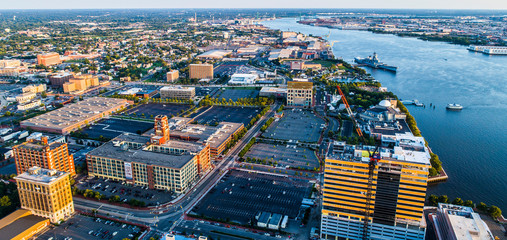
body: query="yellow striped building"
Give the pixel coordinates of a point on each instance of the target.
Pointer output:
(398, 191)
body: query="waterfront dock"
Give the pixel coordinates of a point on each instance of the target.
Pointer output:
(441, 177)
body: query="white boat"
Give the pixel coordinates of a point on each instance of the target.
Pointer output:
(407, 102)
(454, 106)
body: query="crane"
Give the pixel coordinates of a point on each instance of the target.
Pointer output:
(374, 158)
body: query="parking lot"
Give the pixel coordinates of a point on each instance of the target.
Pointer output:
(151, 110)
(203, 91)
(111, 127)
(284, 155)
(228, 114)
(307, 124)
(236, 94)
(81, 227)
(228, 68)
(109, 188)
(240, 195)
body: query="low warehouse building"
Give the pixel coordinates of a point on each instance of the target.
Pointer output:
(21, 225)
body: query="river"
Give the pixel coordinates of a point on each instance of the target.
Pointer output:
(472, 143)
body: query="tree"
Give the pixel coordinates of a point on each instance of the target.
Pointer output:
(5, 201)
(44, 94)
(98, 196)
(435, 162)
(482, 206)
(495, 211)
(443, 199)
(433, 200)
(458, 201)
(433, 172)
(88, 193)
(468, 203)
(114, 198)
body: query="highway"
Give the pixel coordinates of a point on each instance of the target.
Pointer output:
(165, 218)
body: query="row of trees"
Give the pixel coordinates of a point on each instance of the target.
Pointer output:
(436, 165)
(412, 124)
(492, 210)
(267, 124)
(247, 147)
(171, 100)
(256, 118)
(88, 193)
(258, 101)
(235, 138)
(264, 161)
(280, 109)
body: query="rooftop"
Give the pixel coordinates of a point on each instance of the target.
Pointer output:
(465, 223)
(299, 85)
(407, 148)
(39, 144)
(180, 127)
(118, 149)
(74, 113)
(178, 88)
(18, 222)
(41, 175)
(215, 54)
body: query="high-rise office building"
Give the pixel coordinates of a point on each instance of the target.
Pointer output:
(398, 191)
(46, 193)
(299, 94)
(201, 71)
(41, 153)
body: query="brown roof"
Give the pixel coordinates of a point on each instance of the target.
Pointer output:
(19, 225)
(300, 85)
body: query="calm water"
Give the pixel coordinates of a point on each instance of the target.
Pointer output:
(472, 144)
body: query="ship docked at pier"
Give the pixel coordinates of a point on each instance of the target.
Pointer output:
(490, 50)
(373, 62)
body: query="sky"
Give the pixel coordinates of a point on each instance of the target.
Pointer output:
(400, 4)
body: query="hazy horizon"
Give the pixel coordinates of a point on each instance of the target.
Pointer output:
(266, 4)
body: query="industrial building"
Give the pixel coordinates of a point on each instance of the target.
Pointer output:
(243, 79)
(58, 80)
(302, 65)
(157, 161)
(453, 222)
(216, 136)
(214, 54)
(48, 59)
(177, 92)
(398, 191)
(172, 75)
(74, 116)
(271, 221)
(201, 71)
(21, 225)
(300, 94)
(24, 97)
(11, 67)
(40, 153)
(46, 193)
(30, 105)
(34, 88)
(273, 92)
(80, 83)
